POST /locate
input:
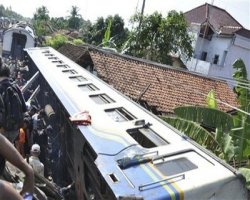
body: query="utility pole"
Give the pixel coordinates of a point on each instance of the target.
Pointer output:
(140, 22)
(142, 12)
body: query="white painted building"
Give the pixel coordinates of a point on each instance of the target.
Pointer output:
(218, 41)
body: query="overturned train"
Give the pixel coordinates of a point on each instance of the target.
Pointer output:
(126, 152)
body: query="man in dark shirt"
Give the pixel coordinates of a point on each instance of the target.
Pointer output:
(5, 81)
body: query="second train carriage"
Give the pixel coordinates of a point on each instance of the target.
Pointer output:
(16, 38)
(126, 152)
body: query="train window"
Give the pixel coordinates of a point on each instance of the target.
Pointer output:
(120, 114)
(63, 66)
(101, 99)
(88, 87)
(49, 54)
(77, 78)
(71, 71)
(146, 137)
(47, 51)
(175, 166)
(57, 61)
(53, 57)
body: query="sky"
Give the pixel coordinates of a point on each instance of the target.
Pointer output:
(92, 9)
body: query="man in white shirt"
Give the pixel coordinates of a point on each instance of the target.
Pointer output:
(34, 160)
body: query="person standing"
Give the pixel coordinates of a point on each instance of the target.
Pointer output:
(34, 161)
(23, 139)
(12, 104)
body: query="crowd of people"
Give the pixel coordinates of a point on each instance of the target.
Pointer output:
(29, 146)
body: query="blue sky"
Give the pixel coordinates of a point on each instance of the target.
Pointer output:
(91, 9)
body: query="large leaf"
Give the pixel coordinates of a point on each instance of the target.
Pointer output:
(211, 101)
(246, 173)
(241, 72)
(107, 33)
(241, 137)
(196, 132)
(228, 147)
(206, 116)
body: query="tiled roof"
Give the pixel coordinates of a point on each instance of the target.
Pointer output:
(167, 87)
(73, 52)
(220, 19)
(243, 32)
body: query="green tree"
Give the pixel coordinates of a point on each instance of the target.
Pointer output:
(40, 21)
(57, 41)
(158, 37)
(75, 18)
(41, 13)
(7, 12)
(59, 23)
(97, 31)
(117, 34)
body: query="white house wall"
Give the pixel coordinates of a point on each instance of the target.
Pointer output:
(242, 42)
(240, 48)
(30, 42)
(216, 46)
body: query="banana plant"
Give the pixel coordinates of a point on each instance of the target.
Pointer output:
(191, 119)
(106, 39)
(241, 131)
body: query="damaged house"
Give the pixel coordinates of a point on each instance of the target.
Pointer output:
(159, 88)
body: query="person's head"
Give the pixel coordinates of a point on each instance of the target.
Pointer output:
(49, 129)
(4, 70)
(25, 122)
(35, 150)
(42, 113)
(33, 109)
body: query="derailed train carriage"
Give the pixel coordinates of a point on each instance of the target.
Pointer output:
(126, 152)
(16, 38)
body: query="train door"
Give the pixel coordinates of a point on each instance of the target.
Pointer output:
(18, 44)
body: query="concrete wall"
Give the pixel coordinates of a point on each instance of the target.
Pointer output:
(215, 46)
(199, 66)
(239, 49)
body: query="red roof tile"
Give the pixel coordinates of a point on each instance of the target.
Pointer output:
(167, 87)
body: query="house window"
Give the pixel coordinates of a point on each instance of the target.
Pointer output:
(204, 55)
(224, 58)
(216, 59)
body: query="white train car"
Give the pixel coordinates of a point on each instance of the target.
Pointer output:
(127, 152)
(16, 38)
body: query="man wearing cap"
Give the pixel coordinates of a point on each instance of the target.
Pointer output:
(34, 160)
